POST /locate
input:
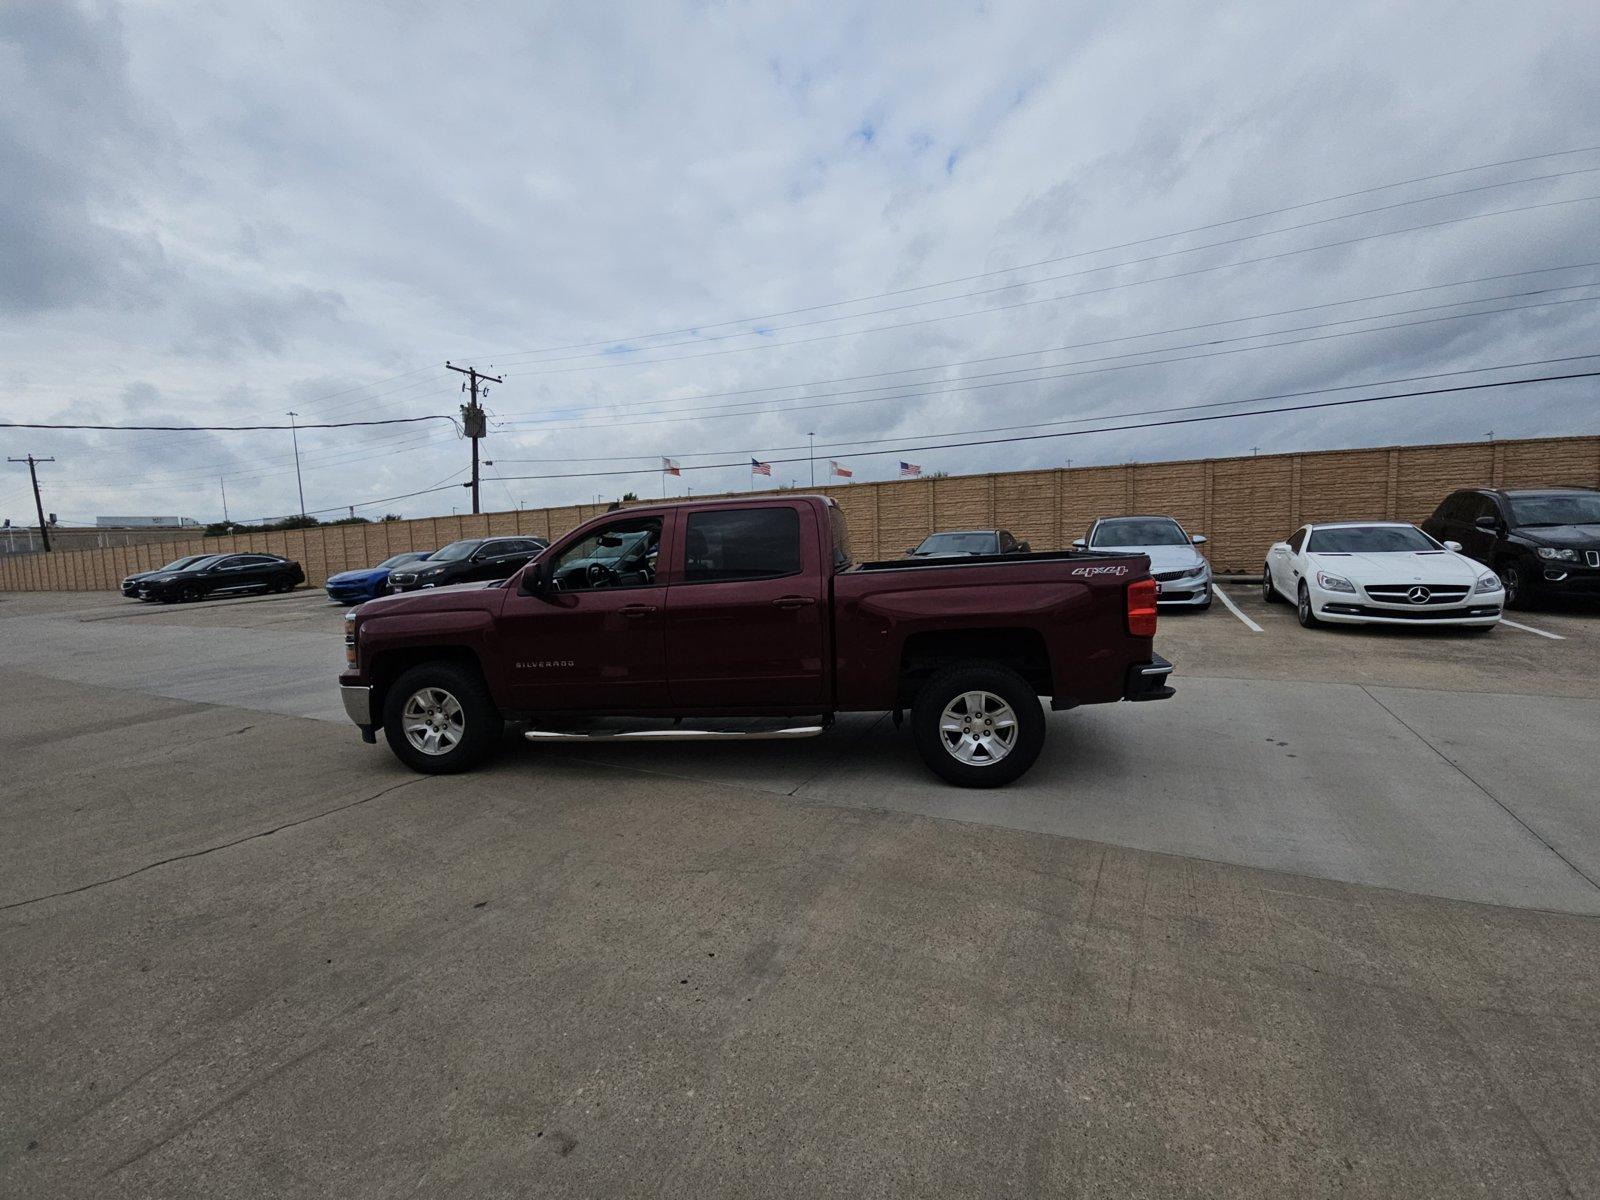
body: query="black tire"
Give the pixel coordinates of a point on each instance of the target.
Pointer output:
(189, 594)
(944, 689)
(1515, 583)
(481, 724)
(1269, 593)
(1303, 611)
(283, 583)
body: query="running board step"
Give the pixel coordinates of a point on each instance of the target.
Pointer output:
(676, 735)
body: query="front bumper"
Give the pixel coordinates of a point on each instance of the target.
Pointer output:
(1353, 612)
(1192, 592)
(358, 707)
(352, 594)
(1148, 680)
(1563, 579)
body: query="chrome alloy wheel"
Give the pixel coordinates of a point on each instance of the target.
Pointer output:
(433, 720)
(978, 728)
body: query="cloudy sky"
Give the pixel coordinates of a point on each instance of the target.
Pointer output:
(709, 230)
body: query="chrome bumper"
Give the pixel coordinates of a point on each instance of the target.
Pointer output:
(357, 704)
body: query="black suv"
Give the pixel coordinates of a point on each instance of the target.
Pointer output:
(1542, 542)
(467, 561)
(223, 574)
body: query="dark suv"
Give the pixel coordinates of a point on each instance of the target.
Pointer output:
(1542, 542)
(467, 561)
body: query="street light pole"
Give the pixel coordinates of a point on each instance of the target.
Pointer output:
(298, 483)
(811, 457)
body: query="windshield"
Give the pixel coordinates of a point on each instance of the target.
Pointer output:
(456, 551)
(1370, 539)
(1139, 531)
(179, 564)
(400, 560)
(1558, 509)
(958, 543)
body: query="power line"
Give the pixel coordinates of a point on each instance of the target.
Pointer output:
(945, 366)
(1143, 412)
(228, 428)
(995, 309)
(718, 413)
(1467, 387)
(1067, 257)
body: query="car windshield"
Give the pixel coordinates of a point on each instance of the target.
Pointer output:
(958, 543)
(192, 560)
(456, 551)
(1139, 531)
(400, 560)
(1561, 508)
(1370, 539)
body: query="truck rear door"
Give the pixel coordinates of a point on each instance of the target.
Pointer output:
(747, 609)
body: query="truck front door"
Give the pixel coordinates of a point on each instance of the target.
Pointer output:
(593, 640)
(747, 610)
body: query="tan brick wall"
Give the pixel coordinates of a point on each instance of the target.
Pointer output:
(1242, 504)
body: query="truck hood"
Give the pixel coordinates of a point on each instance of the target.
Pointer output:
(452, 598)
(1406, 566)
(1577, 537)
(1162, 558)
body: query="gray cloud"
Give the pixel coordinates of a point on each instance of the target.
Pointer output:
(255, 208)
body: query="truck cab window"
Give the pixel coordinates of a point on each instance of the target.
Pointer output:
(619, 555)
(750, 543)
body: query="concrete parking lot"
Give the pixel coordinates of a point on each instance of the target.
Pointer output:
(1321, 924)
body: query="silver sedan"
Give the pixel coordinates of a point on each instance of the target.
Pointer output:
(1181, 572)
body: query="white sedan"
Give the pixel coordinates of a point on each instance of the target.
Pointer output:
(1380, 572)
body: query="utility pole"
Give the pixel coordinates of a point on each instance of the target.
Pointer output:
(812, 458)
(473, 420)
(295, 434)
(38, 504)
(223, 484)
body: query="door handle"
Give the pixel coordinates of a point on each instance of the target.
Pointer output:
(794, 602)
(637, 610)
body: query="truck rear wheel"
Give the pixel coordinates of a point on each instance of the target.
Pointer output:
(439, 719)
(978, 724)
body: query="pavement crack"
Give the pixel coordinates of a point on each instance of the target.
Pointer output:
(1505, 808)
(249, 837)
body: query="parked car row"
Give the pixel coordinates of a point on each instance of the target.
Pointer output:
(197, 576)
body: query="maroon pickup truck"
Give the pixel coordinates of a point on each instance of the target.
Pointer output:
(753, 608)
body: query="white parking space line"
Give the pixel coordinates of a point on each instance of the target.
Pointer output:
(1554, 637)
(1234, 608)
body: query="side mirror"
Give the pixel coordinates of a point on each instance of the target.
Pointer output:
(1487, 522)
(1079, 544)
(1024, 548)
(1456, 546)
(1198, 539)
(532, 582)
(911, 551)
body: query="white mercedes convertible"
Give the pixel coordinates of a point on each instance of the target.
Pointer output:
(1381, 573)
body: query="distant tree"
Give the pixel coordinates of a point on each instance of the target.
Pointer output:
(626, 496)
(393, 517)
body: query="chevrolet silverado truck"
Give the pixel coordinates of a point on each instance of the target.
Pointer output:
(753, 608)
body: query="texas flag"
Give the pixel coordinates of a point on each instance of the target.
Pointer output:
(841, 472)
(669, 466)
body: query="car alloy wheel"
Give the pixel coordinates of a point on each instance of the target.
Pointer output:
(433, 721)
(1303, 609)
(1511, 580)
(189, 592)
(978, 729)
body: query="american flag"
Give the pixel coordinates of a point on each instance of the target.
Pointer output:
(757, 467)
(841, 472)
(669, 466)
(910, 469)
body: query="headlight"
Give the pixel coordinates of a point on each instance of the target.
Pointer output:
(1551, 552)
(1334, 583)
(1194, 572)
(431, 571)
(1489, 582)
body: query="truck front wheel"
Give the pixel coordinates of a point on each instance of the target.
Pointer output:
(439, 719)
(978, 724)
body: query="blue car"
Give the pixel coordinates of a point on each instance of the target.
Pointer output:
(352, 587)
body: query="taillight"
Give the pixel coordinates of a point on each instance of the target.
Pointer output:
(1142, 608)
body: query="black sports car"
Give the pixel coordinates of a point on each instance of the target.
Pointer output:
(130, 585)
(224, 574)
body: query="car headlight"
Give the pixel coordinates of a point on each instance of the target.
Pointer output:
(1488, 582)
(1558, 555)
(426, 571)
(1334, 583)
(1194, 572)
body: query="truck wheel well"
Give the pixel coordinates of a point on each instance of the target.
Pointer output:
(396, 663)
(1023, 650)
